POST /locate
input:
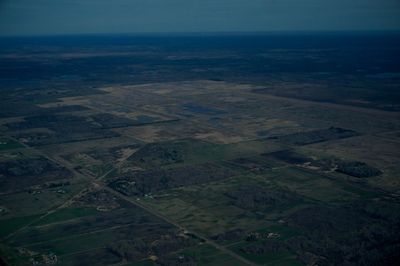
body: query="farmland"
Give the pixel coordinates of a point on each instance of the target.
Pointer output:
(217, 156)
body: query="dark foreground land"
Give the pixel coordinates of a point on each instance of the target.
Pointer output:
(180, 150)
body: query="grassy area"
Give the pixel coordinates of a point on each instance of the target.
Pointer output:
(312, 185)
(96, 167)
(37, 201)
(76, 243)
(12, 257)
(8, 144)
(207, 255)
(284, 232)
(94, 257)
(65, 215)
(9, 226)
(100, 170)
(268, 258)
(140, 263)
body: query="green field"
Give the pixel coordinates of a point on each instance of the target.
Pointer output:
(8, 144)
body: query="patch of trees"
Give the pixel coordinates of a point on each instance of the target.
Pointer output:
(255, 198)
(250, 164)
(97, 198)
(361, 233)
(107, 154)
(57, 184)
(140, 183)
(52, 121)
(352, 168)
(230, 235)
(162, 248)
(171, 243)
(164, 153)
(358, 233)
(268, 246)
(130, 250)
(18, 174)
(177, 260)
(158, 154)
(33, 167)
(315, 136)
(357, 169)
(289, 156)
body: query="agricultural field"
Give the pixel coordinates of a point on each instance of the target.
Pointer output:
(219, 156)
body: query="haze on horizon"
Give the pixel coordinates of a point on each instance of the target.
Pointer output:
(49, 17)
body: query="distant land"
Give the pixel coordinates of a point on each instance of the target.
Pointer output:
(278, 148)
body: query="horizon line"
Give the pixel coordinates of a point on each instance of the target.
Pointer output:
(205, 33)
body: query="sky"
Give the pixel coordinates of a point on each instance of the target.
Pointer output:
(57, 17)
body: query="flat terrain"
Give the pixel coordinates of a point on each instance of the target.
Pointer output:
(239, 158)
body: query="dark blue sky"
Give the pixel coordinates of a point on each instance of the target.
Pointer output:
(38, 17)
